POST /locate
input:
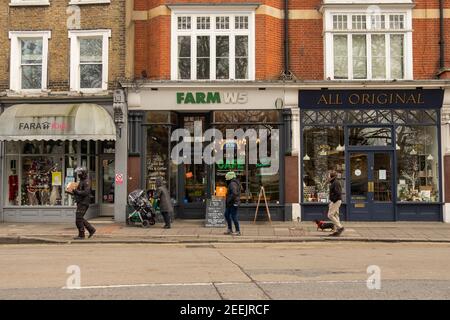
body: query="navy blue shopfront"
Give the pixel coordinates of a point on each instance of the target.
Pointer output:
(384, 146)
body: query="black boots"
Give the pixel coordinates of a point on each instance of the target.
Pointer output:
(91, 233)
(81, 235)
(166, 217)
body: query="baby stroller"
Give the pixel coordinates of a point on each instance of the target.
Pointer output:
(143, 211)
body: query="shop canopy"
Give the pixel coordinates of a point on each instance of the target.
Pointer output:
(56, 122)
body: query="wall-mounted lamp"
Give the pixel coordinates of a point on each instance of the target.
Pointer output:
(118, 107)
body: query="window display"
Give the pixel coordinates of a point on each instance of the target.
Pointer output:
(323, 151)
(417, 158)
(250, 175)
(38, 171)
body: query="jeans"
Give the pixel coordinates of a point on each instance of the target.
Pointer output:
(231, 214)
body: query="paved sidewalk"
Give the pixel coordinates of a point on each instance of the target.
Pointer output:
(194, 231)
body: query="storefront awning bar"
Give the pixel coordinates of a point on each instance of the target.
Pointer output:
(56, 122)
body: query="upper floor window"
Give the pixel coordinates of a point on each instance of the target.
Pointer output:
(29, 52)
(29, 2)
(213, 46)
(89, 60)
(368, 46)
(76, 2)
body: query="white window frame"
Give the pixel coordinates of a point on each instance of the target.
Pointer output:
(74, 37)
(16, 3)
(78, 2)
(195, 12)
(329, 32)
(15, 79)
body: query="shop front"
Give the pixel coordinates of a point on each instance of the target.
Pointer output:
(157, 115)
(42, 146)
(385, 146)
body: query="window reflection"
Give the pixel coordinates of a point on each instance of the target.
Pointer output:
(323, 150)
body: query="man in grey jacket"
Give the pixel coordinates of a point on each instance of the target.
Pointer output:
(165, 204)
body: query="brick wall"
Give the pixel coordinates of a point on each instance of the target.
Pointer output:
(305, 40)
(53, 18)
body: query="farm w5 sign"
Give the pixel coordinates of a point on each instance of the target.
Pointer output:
(212, 97)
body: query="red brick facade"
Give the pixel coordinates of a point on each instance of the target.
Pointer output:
(152, 39)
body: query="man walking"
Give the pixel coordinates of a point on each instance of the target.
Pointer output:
(232, 203)
(335, 204)
(82, 196)
(165, 204)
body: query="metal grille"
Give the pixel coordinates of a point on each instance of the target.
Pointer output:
(333, 117)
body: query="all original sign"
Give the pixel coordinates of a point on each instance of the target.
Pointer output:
(414, 99)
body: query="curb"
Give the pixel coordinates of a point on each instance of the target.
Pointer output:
(193, 239)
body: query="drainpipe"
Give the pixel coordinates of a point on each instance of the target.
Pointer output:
(286, 36)
(286, 74)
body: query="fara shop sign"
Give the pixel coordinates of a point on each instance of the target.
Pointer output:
(212, 97)
(42, 126)
(369, 99)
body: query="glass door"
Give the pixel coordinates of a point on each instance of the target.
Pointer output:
(370, 179)
(107, 185)
(194, 178)
(360, 177)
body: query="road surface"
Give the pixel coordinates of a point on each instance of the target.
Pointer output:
(337, 270)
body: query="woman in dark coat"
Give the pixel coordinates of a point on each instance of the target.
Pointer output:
(165, 203)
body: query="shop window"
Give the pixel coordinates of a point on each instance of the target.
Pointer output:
(29, 60)
(213, 47)
(247, 116)
(157, 155)
(323, 150)
(89, 60)
(250, 175)
(158, 150)
(37, 171)
(370, 136)
(418, 163)
(368, 45)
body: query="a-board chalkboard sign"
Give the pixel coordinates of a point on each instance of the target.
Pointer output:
(215, 209)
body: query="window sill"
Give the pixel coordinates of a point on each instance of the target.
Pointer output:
(74, 2)
(79, 92)
(30, 4)
(28, 93)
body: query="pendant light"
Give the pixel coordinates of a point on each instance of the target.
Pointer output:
(413, 152)
(306, 157)
(430, 157)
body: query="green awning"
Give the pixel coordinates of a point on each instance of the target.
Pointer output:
(56, 122)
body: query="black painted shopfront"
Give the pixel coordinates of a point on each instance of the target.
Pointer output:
(385, 147)
(190, 185)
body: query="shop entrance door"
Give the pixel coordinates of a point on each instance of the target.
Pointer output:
(194, 178)
(107, 184)
(371, 178)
